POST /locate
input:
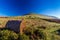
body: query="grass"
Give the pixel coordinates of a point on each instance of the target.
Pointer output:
(36, 28)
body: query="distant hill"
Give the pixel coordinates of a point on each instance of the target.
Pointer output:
(42, 16)
(34, 14)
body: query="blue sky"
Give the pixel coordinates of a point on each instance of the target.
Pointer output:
(20, 7)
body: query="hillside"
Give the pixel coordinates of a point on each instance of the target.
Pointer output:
(32, 27)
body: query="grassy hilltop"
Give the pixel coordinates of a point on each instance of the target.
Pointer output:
(37, 27)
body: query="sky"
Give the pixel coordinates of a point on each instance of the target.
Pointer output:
(21, 7)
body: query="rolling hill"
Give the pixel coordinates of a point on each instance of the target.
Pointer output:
(32, 27)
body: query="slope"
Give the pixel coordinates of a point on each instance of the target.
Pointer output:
(36, 26)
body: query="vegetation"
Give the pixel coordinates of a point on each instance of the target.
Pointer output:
(37, 28)
(8, 35)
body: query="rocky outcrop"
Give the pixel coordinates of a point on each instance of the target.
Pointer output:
(16, 25)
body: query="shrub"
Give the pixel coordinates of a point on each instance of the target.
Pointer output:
(23, 37)
(8, 35)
